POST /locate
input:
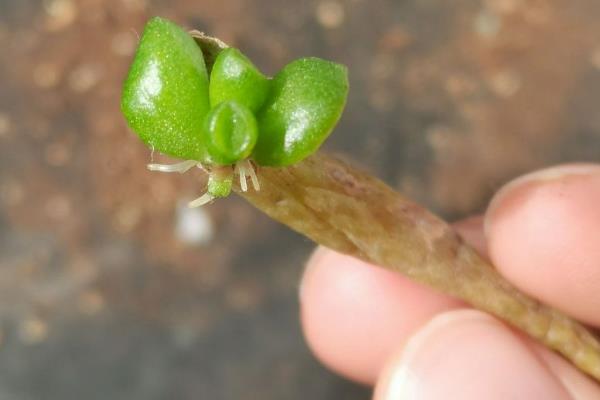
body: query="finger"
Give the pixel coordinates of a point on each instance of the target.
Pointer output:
(392, 306)
(543, 233)
(471, 230)
(467, 354)
(580, 386)
(355, 315)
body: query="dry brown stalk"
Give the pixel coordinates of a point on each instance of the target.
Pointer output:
(349, 211)
(354, 213)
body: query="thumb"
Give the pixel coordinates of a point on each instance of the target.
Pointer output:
(466, 354)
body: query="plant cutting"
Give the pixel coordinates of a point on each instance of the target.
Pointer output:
(192, 97)
(232, 120)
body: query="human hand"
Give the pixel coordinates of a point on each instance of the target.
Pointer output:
(542, 232)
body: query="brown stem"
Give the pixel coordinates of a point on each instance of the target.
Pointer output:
(349, 211)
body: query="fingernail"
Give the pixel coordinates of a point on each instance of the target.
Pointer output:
(467, 355)
(542, 176)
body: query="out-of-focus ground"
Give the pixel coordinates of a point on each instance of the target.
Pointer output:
(111, 288)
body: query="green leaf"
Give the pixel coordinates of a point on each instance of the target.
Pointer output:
(165, 95)
(234, 77)
(229, 133)
(306, 100)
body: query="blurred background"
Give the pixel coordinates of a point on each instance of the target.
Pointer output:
(110, 288)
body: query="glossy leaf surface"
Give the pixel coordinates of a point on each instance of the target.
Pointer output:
(229, 133)
(234, 77)
(306, 100)
(165, 95)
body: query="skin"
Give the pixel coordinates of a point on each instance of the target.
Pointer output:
(541, 231)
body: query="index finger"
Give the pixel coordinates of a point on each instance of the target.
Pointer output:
(543, 233)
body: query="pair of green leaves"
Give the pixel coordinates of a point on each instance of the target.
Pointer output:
(170, 102)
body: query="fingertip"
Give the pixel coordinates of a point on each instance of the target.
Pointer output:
(471, 230)
(354, 315)
(313, 264)
(543, 233)
(466, 354)
(579, 386)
